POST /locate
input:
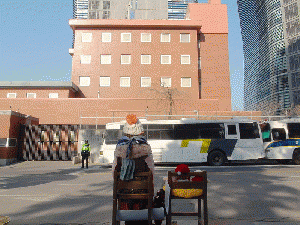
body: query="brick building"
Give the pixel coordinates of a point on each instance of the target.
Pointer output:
(141, 66)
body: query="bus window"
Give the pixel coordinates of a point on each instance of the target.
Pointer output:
(265, 132)
(186, 131)
(201, 130)
(112, 136)
(278, 134)
(249, 130)
(154, 134)
(293, 130)
(231, 129)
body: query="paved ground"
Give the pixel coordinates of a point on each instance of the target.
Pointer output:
(62, 193)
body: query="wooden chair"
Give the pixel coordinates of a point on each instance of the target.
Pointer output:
(189, 185)
(143, 180)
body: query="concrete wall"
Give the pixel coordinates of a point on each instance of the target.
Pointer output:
(95, 140)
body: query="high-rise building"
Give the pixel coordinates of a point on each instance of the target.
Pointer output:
(177, 8)
(120, 9)
(270, 62)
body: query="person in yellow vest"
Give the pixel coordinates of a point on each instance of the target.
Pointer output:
(85, 153)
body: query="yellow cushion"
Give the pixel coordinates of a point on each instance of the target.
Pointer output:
(186, 193)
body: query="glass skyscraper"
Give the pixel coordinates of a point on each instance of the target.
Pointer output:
(177, 8)
(268, 69)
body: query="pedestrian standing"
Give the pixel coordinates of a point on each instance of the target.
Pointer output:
(85, 153)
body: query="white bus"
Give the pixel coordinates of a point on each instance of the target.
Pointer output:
(282, 139)
(193, 141)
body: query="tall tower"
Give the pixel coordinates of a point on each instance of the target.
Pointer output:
(177, 8)
(266, 69)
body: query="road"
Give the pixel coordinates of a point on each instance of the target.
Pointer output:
(62, 193)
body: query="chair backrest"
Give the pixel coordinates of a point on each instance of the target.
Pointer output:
(189, 184)
(142, 180)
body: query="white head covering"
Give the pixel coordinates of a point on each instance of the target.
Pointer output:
(134, 129)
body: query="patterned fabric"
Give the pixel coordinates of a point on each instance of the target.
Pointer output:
(185, 193)
(138, 150)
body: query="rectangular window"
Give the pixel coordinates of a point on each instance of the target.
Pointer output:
(186, 82)
(125, 82)
(165, 38)
(294, 128)
(86, 37)
(11, 95)
(106, 15)
(184, 38)
(145, 59)
(145, 81)
(8, 142)
(185, 59)
(106, 4)
(31, 95)
(125, 37)
(104, 81)
(85, 59)
(195, 131)
(105, 59)
(125, 59)
(53, 95)
(249, 130)
(165, 59)
(3, 142)
(145, 37)
(231, 130)
(106, 37)
(166, 81)
(84, 81)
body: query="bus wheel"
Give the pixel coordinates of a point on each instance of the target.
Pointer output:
(216, 158)
(296, 156)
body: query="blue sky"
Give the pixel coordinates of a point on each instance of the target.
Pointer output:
(35, 39)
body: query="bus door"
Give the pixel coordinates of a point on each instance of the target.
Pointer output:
(279, 148)
(249, 144)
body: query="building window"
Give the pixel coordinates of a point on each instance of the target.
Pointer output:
(31, 95)
(165, 59)
(125, 82)
(106, 15)
(85, 59)
(165, 38)
(11, 95)
(165, 82)
(145, 59)
(185, 59)
(145, 37)
(125, 59)
(184, 38)
(145, 81)
(104, 81)
(53, 95)
(105, 59)
(106, 4)
(106, 37)
(125, 37)
(186, 82)
(84, 81)
(86, 37)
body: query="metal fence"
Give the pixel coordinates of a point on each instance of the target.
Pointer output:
(50, 142)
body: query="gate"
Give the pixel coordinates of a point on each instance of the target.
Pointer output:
(50, 142)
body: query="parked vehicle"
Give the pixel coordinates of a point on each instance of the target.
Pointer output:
(190, 140)
(282, 139)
